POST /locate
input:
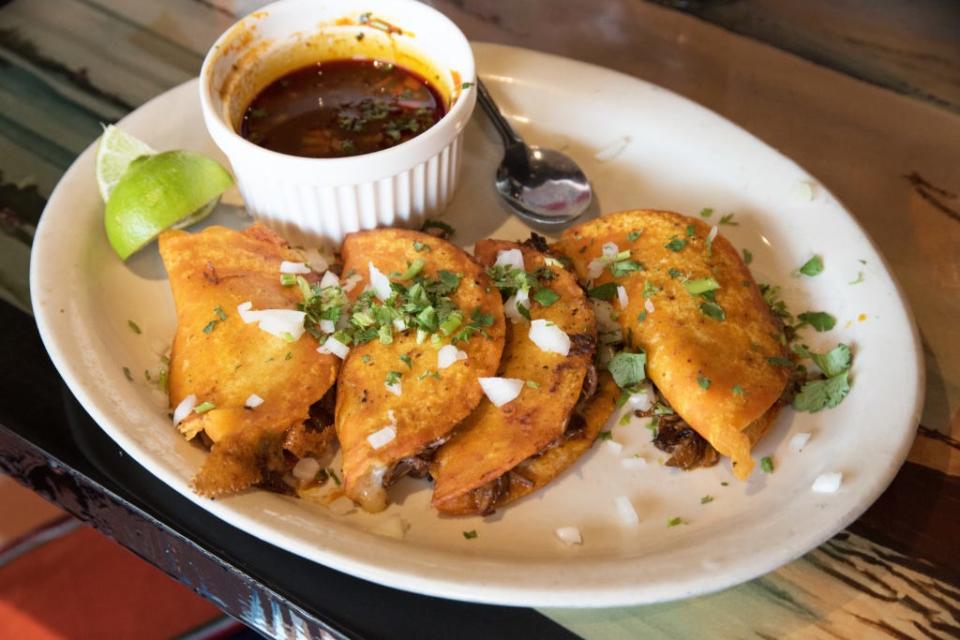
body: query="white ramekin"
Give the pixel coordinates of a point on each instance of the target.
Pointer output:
(319, 200)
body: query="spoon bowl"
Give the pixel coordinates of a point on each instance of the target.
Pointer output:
(540, 185)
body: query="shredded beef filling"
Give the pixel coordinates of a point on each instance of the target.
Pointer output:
(687, 448)
(485, 498)
(417, 466)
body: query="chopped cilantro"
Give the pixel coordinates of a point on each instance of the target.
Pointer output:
(812, 267)
(420, 246)
(713, 310)
(661, 409)
(479, 320)
(706, 212)
(533, 384)
(724, 484)
(366, 358)
(413, 269)
(707, 499)
(737, 390)
(819, 320)
(728, 219)
(219, 312)
(407, 360)
(781, 362)
(703, 381)
(624, 419)
(392, 378)
(700, 286)
(606, 291)
(627, 368)
(605, 435)
(634, 235)
(642, 316)
(859, 278)
(289, 355)
(333, 474)
(820, 394)
(676, 244)
(134, 327)
(466, 85)
(650, 289)
(287, 279)
(210, 326)
(545, 297)
(203, 407)
(621, 268)
(691, 230)
(127, 374)
(652, 426)
(470, 535)
(673, 522)
(675, 273)
(766, 464)
(523, 310)
(833, 362)
(747, 256)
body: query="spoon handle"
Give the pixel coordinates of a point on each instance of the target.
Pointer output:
(503, 127)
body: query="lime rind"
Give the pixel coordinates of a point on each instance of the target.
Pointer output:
(158, 192)
(116, 150)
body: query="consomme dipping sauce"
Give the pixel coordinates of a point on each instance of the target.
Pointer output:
(341, 108)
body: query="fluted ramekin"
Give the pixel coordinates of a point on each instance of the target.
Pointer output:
(319, 200)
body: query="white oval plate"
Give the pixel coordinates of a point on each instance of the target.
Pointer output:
(644, 147)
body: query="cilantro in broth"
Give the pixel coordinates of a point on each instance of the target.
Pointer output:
(819, 320)
(812, 267)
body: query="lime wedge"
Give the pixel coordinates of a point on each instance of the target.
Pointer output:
(157, 192)
(117, 149)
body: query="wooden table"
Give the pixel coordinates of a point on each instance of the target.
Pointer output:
(865, 97)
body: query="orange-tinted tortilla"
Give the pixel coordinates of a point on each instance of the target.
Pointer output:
(432, 401)
(687, 350)
(210, 272)
(493, 440)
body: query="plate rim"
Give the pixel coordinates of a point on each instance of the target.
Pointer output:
(547, 595)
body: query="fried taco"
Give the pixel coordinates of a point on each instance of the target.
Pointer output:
(426, 324)
(253, 396)
(714, 351)
(500, 453)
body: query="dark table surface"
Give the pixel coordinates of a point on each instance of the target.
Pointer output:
(863, 94)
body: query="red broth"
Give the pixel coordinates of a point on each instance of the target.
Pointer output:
(341, 108)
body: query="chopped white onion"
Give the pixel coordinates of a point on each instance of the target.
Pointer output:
(828, 482)
(184, 408)
(383, 437)
(596, 267)
(569, 535)
(399, 324)
(306, 469)
(244, 309)
(341, 506)
(610, 250)
(294, 267)
(329, 279)
(628, 515)
(613, 447)
(802, 191)
(395, 388)
(549, 337)
(351, 282)
(379, 282)
(334, 346)
(622, 297)
(327, 326)
(633, 463)
(283, 323)
(510, 258)
(500, 391)
(522, 296)
(714, 230)
(393, 527)
(648, 305)
(799, 441)
(315, 260)
(642, 400)
(448, 354)
(253, 401)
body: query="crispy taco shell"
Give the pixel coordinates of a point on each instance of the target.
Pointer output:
(687, 350)
(223, 360)
(493, 440)
(431, 402)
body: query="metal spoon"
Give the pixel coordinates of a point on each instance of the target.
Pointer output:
(541, 185)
